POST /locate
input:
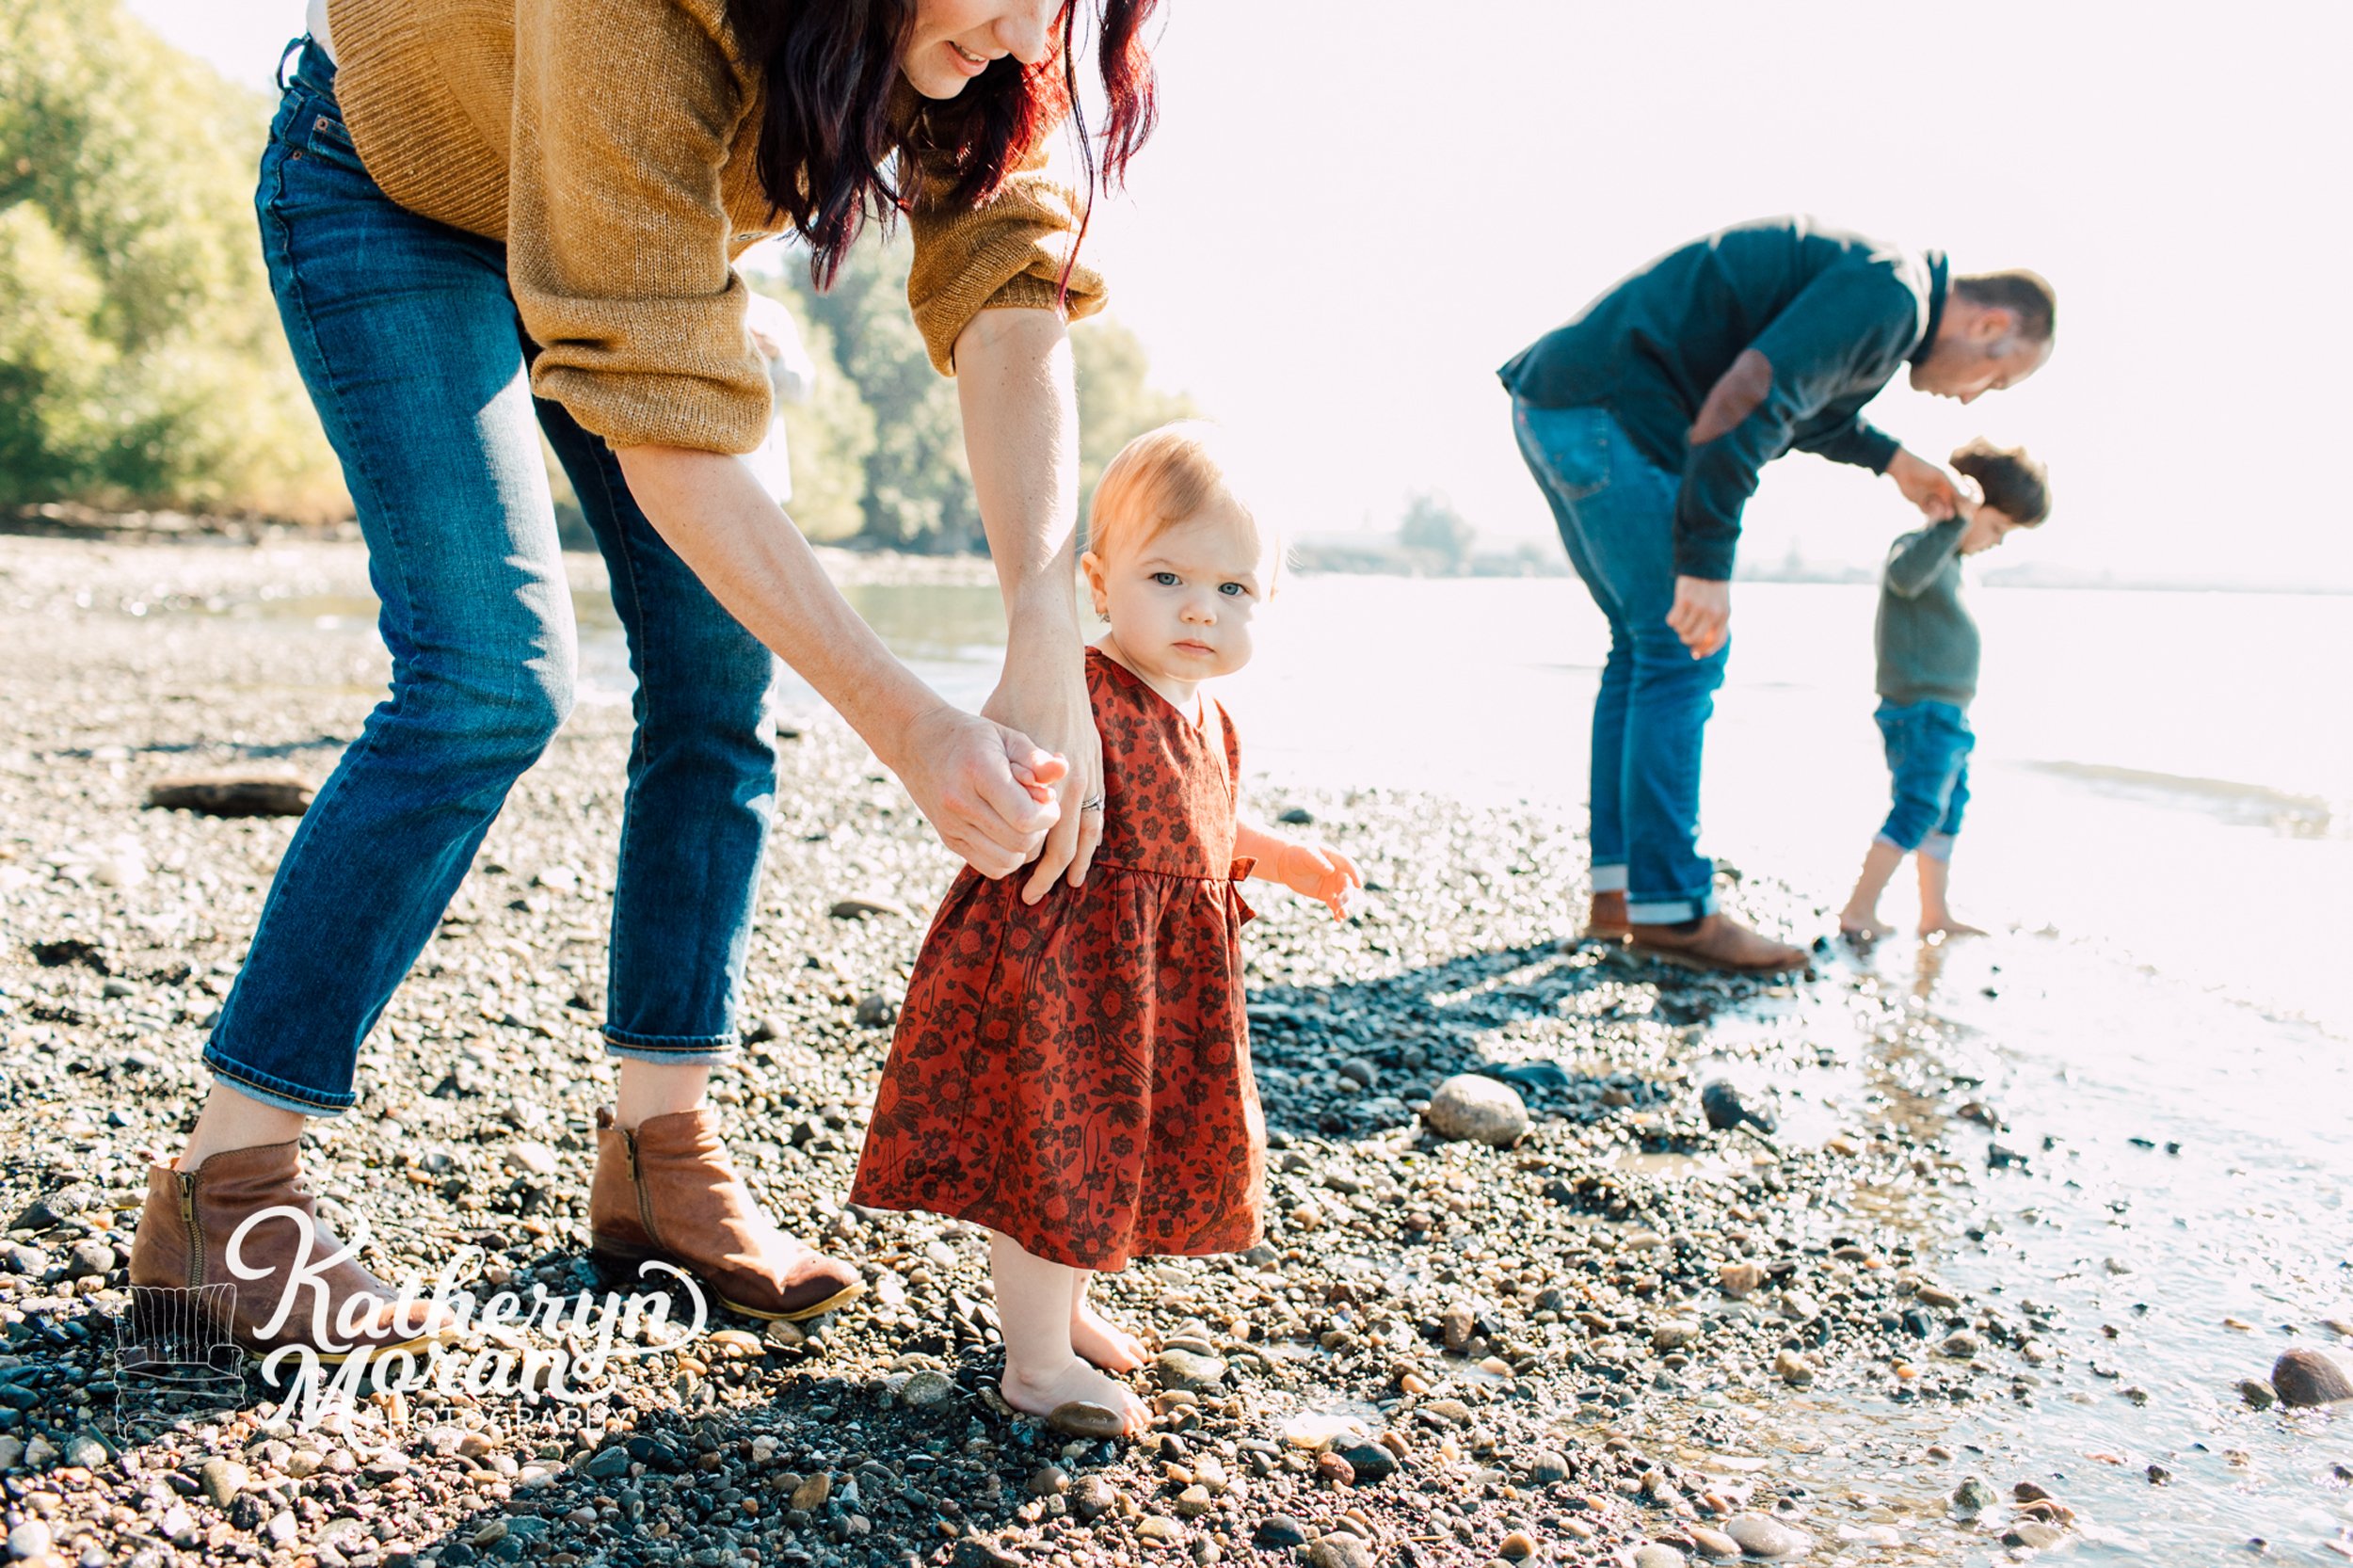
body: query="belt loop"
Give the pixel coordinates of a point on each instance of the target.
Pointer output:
(286, 53)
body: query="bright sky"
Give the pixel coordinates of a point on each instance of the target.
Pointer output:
(1354, 213)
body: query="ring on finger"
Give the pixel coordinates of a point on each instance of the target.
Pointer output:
(1093, 802)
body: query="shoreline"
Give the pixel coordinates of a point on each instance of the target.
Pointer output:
(1541, 1341)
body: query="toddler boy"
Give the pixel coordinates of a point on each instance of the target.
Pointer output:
(1927, 642)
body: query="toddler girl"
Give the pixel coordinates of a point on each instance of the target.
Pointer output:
(1074, 1075)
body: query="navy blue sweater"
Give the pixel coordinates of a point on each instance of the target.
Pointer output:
(1719, 357)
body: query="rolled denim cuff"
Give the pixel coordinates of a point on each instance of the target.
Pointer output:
(1670, 911)
(673, 1049)
(1937, 846)
(275, 1090)
(1610, 879)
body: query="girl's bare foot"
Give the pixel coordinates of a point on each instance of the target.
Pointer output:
(1949, 927)
(1041, 1391)
(1100, 1340)
(1865, 931)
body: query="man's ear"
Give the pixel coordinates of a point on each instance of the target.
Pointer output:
(1994, 324)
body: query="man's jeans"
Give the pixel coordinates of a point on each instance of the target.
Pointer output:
(1616, 513)
(1928, 765)
(408, 341)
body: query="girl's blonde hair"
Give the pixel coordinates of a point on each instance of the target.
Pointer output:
(1165, 476)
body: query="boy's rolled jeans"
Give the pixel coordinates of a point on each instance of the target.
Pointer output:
(1927, 764)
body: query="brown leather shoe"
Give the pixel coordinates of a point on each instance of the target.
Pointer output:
(666, 1191)
(182, 1244)
(1717, 942)
(1605, 922)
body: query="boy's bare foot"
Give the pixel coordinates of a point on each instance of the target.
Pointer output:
(1949, 927)
(1043, 1391)
(1866, 931)
(1096, 1338)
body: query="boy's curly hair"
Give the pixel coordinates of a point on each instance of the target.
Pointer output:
(2014, 483)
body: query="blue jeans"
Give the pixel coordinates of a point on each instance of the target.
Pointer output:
(409, 343)
(1928, 765)
(1616, 512)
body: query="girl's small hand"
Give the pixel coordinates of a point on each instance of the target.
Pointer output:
(1326, 874)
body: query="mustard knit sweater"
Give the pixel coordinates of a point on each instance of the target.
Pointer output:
(609, 143)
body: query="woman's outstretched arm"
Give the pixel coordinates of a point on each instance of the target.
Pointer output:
(968, 775)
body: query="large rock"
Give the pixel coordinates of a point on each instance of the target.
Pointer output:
(1190, 1371)
(1477, 1110)
(1768, 1537)
(256, 792)
(2308, 1377)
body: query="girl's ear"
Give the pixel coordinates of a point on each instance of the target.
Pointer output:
(1092, 564)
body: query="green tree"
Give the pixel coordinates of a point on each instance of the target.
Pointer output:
(1437, 534)
(140, 358)
(830, 437)
(1116, 400)
(918, 492)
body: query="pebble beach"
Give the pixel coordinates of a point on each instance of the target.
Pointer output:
(1536, 1288)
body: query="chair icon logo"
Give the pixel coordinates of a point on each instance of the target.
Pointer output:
(175, 1363)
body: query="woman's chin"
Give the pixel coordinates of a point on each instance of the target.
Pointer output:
(937, 85)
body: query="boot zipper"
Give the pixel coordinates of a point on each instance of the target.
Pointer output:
(636, 1180)
(196, 1232)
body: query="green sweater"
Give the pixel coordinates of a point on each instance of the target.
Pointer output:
(1925, 637)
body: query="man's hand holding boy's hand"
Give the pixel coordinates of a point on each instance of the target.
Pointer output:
(1937, 490)
(1324, 874)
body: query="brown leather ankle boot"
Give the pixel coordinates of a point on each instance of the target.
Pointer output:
(183, 1243)
(1721, 943)
(1605, 922)
(666, 1191)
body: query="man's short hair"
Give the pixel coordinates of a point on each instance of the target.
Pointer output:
(2027, 295)
(2014, 483)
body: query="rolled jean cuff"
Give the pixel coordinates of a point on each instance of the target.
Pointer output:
(275, 1092)
(1669, 911)
(1937, 846)
(1610, 879)
(676, 1050)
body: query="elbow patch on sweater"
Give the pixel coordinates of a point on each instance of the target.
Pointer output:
(1733, 398)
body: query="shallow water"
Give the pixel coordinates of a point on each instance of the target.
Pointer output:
(2161, 835)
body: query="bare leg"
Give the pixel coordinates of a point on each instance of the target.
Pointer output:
(650, 1089)
(1035, 1303)
(1860, 921)
(233, 1119)
(1936, 916)
(1096, 1337)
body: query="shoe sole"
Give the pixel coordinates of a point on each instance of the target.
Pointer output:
(1687, 961)
(618, 1269)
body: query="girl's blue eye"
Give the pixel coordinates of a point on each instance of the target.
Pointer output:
(1231, 590)
(1165, 579)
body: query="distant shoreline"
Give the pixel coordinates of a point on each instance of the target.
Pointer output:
(1310, 558)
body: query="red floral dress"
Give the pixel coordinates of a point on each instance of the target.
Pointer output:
(1076, 1074)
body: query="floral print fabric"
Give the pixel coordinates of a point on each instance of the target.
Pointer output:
(1076, 1074)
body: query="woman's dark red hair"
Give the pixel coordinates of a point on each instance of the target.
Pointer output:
(827, 141)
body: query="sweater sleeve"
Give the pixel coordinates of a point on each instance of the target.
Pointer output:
(1916, 559)
(1008, 252)
(617, 238)
(1857, 441)
(1835, 333)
